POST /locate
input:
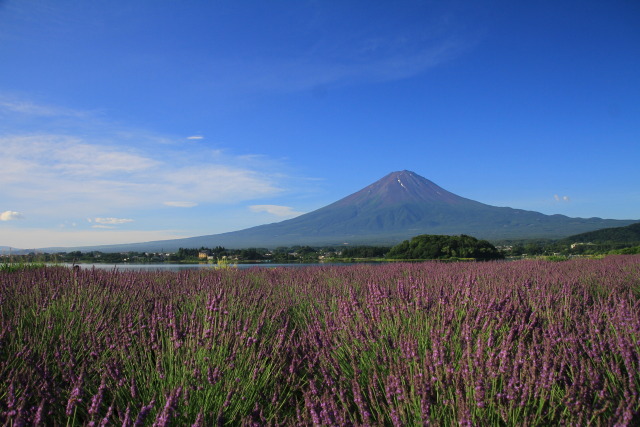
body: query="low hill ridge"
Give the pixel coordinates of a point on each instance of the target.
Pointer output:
(628, 234)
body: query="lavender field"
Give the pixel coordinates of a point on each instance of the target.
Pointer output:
(496, 343)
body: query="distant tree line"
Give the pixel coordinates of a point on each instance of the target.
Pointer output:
(365, 251)
(419, 247)
(566, 248)
(283, 254)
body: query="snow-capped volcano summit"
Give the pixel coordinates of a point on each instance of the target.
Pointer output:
(397, 207)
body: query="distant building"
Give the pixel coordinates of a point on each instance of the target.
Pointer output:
(574, 245)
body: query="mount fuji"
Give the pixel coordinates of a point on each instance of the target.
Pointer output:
(395, 208)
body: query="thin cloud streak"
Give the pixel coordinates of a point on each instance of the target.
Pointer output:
(280, 211)
(181, 204)
(111, 221)
(354, 58)
(10, 105)
(309, 73)
(28, 238)
(10, 216)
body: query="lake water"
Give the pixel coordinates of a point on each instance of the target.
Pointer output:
(179, 267)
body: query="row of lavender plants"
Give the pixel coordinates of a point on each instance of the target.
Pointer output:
(496, 343)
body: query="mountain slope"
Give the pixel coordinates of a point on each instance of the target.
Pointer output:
(629, 234)
(395, 208)
(404, 204)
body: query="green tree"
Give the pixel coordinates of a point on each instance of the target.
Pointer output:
(428, 246)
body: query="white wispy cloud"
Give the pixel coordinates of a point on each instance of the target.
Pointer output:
(195, 137)
(360, 58)
(40, 237)
(181, 204)
(21, 106)
(219, 183)
(308, 73)
(78, 158)
(112, 221)
(65, 155)
(561, 199)
(10, 216)
(87, 176)
(280, 211)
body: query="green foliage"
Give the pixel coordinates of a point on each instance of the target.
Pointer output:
(634, 250)
(224, 263)
(365, 252)
(556, 258)
(429, 246)
(19, 266)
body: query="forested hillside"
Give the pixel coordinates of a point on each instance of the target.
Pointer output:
(627, 234)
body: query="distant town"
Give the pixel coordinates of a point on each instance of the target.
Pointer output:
(308, 254)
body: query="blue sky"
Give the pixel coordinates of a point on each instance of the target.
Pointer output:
(128, 121)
